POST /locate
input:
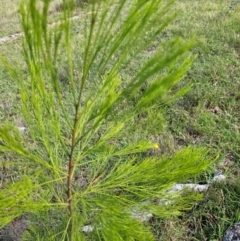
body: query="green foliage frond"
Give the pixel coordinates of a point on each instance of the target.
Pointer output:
(17, 199)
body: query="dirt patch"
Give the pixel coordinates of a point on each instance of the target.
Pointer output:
(10, 37)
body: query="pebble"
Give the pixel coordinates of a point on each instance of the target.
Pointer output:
(233, 233)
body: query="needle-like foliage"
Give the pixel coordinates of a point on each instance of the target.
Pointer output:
(87, 178)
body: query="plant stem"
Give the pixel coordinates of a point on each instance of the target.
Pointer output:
(70, 173)
(76, 119)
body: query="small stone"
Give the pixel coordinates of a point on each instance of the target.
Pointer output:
(87, 228)
(219, 178)
(22, 129)
(233, 233)
(142, 216)
(216, 110)
(192, 186)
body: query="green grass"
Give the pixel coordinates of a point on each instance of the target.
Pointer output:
(208, 115)
(9, 15)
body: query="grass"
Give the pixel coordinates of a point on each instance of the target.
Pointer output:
(208, 115)
(9, 15)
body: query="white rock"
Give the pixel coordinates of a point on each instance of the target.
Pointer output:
(219, 178)
(142, 216)
(22, 129)
(194, 187)
(87, 228)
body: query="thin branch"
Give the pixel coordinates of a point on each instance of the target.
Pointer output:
(74, 130)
